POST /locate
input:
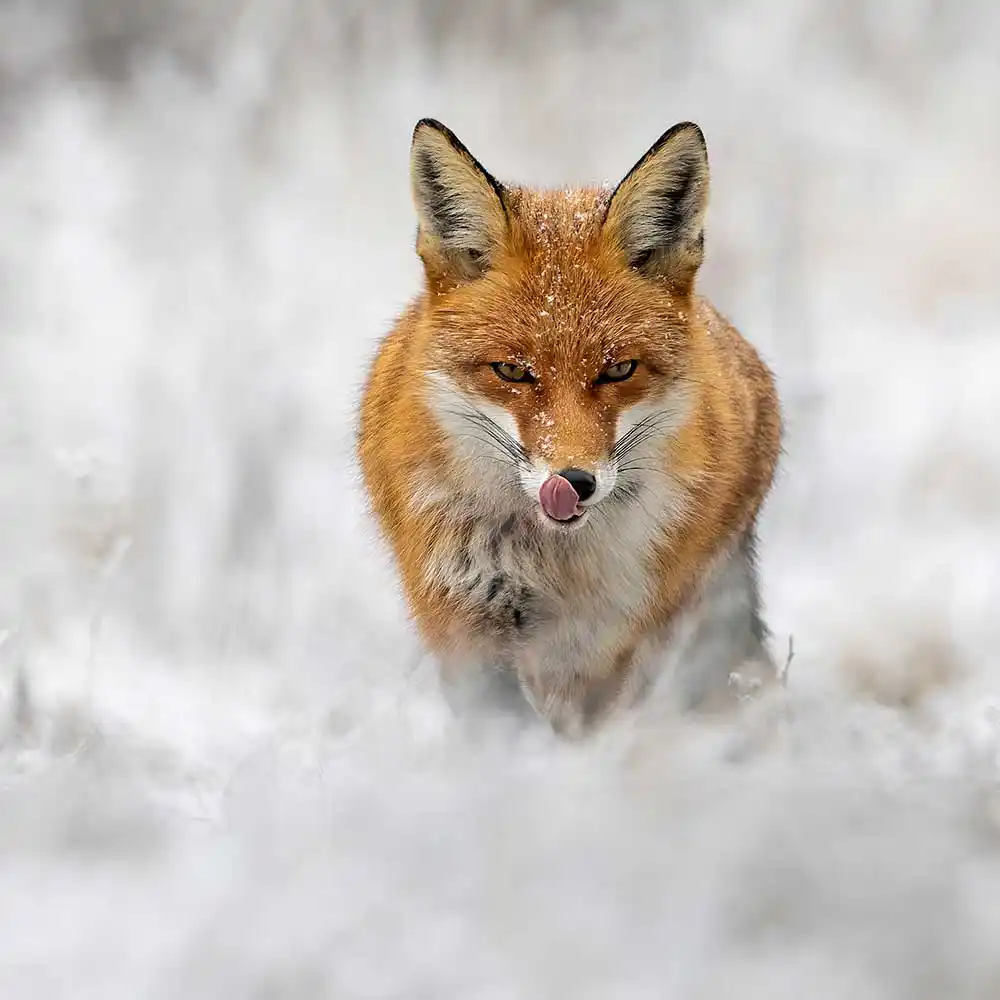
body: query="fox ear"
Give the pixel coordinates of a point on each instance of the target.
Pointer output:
(656, 215)
(460, 206)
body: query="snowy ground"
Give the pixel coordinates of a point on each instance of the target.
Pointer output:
(225, 770)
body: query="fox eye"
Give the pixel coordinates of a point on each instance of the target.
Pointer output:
(618, 372)
(512, 373)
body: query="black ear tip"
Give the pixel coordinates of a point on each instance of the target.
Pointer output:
(429, 123)
(434, 125)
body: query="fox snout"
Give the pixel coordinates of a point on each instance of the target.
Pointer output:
(584, 483)
(566, 495)
(563, 492)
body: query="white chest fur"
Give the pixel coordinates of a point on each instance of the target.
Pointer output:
(557, 612)
(554, 609)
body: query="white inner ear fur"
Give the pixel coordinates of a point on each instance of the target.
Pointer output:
(456, 204)
(661, 204)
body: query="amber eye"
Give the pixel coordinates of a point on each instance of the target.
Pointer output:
(618, 372)
(512, 373)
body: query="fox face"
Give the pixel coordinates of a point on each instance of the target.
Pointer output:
(557, 342)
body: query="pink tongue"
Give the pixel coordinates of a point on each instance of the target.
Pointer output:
(558, 498)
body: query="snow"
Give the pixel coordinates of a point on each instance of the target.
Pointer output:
(226, 769)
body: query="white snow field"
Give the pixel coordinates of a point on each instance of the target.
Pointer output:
(225, 769)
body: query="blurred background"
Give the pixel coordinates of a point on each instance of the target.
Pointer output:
(225, 769)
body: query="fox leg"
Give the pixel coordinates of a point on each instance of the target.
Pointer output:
(475, 686)
(718, 650)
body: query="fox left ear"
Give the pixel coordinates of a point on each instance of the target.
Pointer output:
(460, 205)
(656, 214)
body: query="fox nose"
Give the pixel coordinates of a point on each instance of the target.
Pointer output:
(583, 482)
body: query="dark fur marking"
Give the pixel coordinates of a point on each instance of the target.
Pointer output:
(641, 259)
(508, 607)
(674, 209)
(443, 210)
(495, 538)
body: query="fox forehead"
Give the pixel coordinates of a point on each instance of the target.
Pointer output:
(553, 297)
(549, 223)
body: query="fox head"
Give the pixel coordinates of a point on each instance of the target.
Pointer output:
(557, 332)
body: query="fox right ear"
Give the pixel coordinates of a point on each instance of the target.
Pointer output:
(460, 206)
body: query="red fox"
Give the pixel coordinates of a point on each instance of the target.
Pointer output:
(566, 447)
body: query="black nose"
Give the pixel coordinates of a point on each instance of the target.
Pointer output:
(581, 481)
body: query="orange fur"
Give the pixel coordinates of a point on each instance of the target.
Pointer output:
(551, 288)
